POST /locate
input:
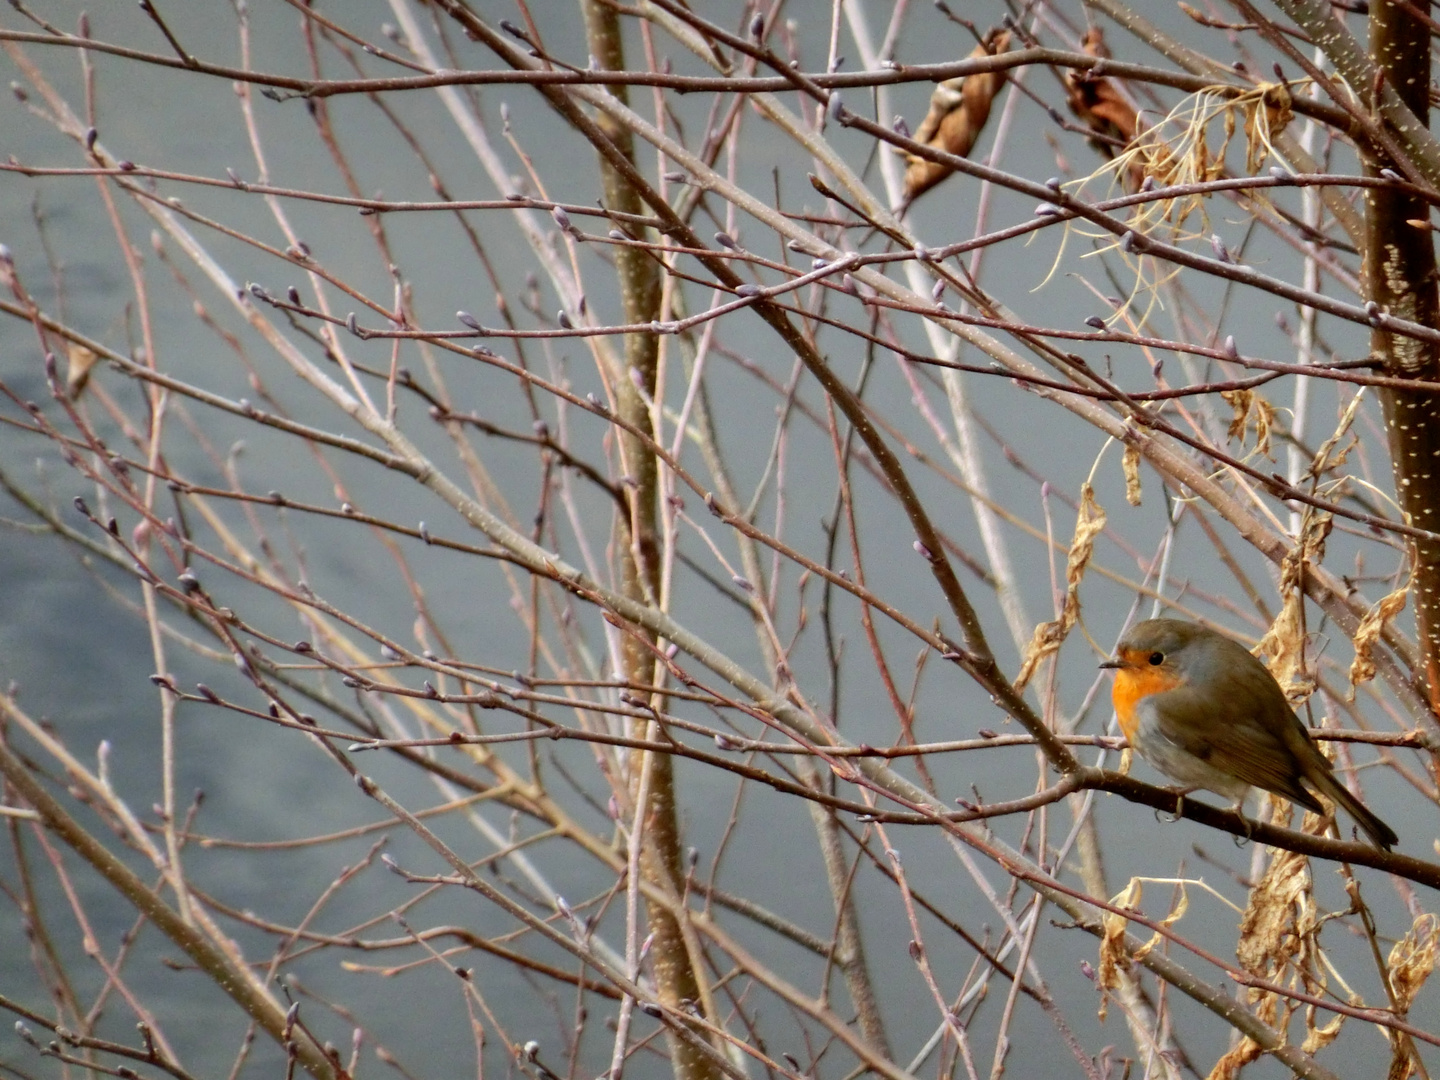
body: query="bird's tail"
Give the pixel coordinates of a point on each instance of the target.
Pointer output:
(1377, 830)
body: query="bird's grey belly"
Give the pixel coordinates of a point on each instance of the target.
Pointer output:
(1183, 767)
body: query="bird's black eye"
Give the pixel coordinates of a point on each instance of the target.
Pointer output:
(1157, 658)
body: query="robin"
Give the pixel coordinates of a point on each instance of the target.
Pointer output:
(1207, 714)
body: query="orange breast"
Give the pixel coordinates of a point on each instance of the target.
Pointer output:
(1132, 685)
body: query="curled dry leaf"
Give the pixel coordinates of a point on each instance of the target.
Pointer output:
(1229, 1066)
(1101, 107)
(1130, 463)
(1268, 114)
(1283, 646)
(1412, 961)
(1049, 636)
(1248, 408)
(1328, 458)
(1279, 937)
(959, 109)
(1278, 917)
(1319, 1036)
(1113, 956)
(77, 374)
(1362, 668)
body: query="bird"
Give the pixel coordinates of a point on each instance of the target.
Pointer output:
(1205, 712)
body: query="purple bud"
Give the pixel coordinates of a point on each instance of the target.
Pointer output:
(924, 551)
(470, 321)
(561, 218)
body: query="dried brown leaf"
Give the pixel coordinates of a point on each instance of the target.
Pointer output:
(1113, 958)
(1130, 463)
(1327, 458)
(1049, 636)
(1268, 930)
(1265, 118)
(1283, 646)
(1248, 407)
(959, 109)
(1402, 1063)
(1101, 107)
(1229, 1066)
(1412, 961)
(1317, 1037)
(1362, 668)
(77, 374)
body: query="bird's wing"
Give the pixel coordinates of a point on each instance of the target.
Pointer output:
(1231, 740)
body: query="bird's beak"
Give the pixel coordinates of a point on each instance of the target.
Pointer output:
(1112, 663)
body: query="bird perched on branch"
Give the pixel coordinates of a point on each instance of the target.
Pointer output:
(1206, 713)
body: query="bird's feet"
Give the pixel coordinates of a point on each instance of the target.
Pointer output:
(1179, 811)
